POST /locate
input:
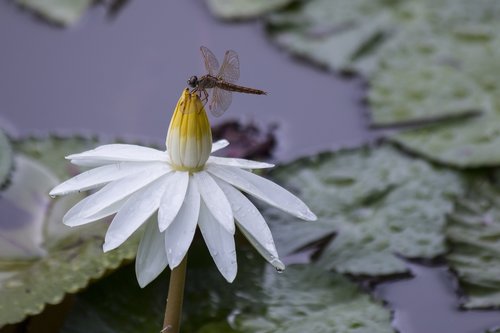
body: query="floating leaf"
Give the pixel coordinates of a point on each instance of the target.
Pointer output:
(307, 299)
(423, 93)
(258, 301)
(71, 256)
(426, 60)
(376, 201)
(6, 159)
(65, 12)
(463, 143)
(474, 235)
(244, 9)
(51, 152)
(335, 33)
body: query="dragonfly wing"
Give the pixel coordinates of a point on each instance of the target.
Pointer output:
(211, 63)
(220, 101)
(230, 70)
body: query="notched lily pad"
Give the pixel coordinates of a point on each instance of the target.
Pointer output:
(70, 257)
(64, 12)
(375, 201)
(244, 9)
(473, 232)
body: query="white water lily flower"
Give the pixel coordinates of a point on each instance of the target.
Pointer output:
(187, 187)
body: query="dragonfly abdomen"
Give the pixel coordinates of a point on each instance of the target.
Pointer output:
(234, 87)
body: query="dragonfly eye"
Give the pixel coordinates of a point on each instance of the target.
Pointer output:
(193, 81)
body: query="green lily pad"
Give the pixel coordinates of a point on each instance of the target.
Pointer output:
(6, 159)
(423, 93)
(463, 143)
(307, 299)
(335, 34)
(375, 202)
(244, 9)
(303, 298)
(70, 257)
(473, 232)
(51, 152)
(64, 12)
(426, 61)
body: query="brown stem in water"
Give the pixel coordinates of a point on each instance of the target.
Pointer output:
(173, 310)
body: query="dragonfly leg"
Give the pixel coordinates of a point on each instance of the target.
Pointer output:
(204, 100)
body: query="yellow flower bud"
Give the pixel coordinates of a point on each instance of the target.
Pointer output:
(189, 138)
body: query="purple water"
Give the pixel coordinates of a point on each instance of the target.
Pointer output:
(123, 76)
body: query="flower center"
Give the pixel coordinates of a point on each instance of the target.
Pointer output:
(189, 138)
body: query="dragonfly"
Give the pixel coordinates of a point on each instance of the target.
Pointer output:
(221, 79)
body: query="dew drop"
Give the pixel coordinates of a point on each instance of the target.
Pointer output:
(52, 196)
(280, 267)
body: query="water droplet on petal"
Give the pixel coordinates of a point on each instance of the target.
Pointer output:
(280, 267)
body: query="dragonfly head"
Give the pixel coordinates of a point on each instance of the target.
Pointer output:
(193, 81)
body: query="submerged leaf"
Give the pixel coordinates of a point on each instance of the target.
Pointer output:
(244, 9)
(376, 201)
(473, 232)
(70, 258)
(65, 12)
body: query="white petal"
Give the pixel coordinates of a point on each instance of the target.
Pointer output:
(219, 145)
(114, 192)
(110, 210)
(239, 162)
(220, 243)
(151, 257)
(215, 200)
(138, 208)
(252, 225)
(263, 189)
(99, 176)
(180, 233)
(118, 153)
(172, 198)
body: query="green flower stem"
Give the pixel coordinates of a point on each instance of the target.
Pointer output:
(173, 310)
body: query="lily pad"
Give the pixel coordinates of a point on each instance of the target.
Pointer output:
(473, 232)
(423, 93)
(64, 12)
(470, 142)
(462, 143)
(335, 33)
(244, 9)
(303, 298)
(307, 299)
(375, 202)
(70, 257)
(6, 159)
